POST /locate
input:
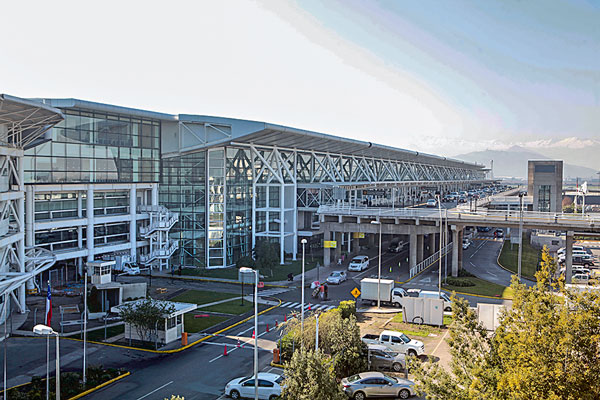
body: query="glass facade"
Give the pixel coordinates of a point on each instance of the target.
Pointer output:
(97, 147)
(544, 198)
(182, 190)
(239, 204)
(216, 207)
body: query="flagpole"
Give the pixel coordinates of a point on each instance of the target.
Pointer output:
(48, 308)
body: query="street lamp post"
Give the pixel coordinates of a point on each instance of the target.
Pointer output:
(47, 331)
(303, 241)
(85, 324)
(379, 268)
(520, 233)
(246, 270)
(440, 255)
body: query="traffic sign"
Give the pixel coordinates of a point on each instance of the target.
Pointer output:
(355, 292)
(329, 244)
(261, 285)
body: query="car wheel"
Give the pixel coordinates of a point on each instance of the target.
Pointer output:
(273, 397)
(404, 394)
(373, 303)
(234, 394)
(397, 305)
(412, 353)
(448, 309)
(359, 396)
(397, 367)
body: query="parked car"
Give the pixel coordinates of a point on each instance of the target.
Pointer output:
(431, 203)
(382, 358)
(585, 260)
(269, 386)
(562, 250)
(581, 279)
(368, 385)
(397, 247)
(359, 263)
(397, 342)
(483, 229)
(499, 232)
(336, 277)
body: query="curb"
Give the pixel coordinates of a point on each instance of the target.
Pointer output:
(476, 295)
(113, 380)
(272, 365)
(201, 279)
(208, 336)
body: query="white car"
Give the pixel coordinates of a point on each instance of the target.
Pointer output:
(269, 387)
(359, 263)
(336, 277)
(431, 203)
(466, 243)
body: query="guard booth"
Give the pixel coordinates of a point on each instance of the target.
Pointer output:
(172, 326)
(100, 271)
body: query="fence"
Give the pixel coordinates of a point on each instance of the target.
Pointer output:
(426, 263)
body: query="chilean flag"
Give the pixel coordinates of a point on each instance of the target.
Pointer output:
(48, 306)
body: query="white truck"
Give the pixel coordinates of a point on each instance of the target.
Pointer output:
(397, 342)
(389, 294)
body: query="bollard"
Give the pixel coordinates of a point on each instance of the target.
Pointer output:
(253, 336)
(284, 317)
(225, 351)
(238, 343)
(275, 323)
(267, 327)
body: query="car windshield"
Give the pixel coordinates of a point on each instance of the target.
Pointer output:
(357, 260)
(279, 380)
(404, 338)
(354, 378)
(335, 274)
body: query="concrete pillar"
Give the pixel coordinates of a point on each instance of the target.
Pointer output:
(155, 194)
(21, 243)
(355, 245)
(432, 243)
(326, 250)
(455, 247)
(29, 214)
(420, 240)
(460, 248)
(372, 241)
(337, 252)
(569, 257)
(133, 222)
(412, 252)
(89, 206)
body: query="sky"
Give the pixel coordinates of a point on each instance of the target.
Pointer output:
(445, 77)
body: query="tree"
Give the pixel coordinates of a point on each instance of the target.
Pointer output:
(339, 337)
(309, 376)
(546, 347)
(266, 255)
(245, 261)
(144, 315)
(174, 397)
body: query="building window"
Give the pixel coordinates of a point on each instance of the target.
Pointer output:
(544, 198)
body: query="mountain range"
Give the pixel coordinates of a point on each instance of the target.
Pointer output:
(512, 162)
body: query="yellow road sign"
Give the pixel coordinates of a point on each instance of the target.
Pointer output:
(358, 235)
(355, 292)
(329, 244)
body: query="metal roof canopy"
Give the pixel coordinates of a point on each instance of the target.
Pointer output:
(298, 139)
(26, 120)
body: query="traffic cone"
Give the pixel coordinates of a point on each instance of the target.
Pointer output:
(238, 343)
(309, 307)
(284, 317)
(275, 323)
(253, 336)
(267, 327)
(225, 351)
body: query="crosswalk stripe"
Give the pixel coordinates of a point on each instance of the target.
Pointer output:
(295, 305)
(286, 304)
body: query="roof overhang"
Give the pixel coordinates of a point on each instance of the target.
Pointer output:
(25, 120)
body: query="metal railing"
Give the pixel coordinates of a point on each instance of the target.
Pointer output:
(163, 252)
(426, 263)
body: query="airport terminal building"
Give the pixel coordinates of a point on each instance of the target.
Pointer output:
(110, 182)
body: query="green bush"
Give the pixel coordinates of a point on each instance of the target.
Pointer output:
(463, 273)
(347, 308)
(459, 282)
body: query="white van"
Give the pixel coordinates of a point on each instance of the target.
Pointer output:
(359, 263)
(562, 250)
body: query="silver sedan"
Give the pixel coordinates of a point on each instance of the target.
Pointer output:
(368, 385)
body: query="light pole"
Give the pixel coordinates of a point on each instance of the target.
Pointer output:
(246, 270)
(445, 244)
(379, 269)
(303, 241)
(520, 234)
(440, 255)
(47, 331)
(85, 324)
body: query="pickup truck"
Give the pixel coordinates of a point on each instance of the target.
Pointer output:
(397, 342)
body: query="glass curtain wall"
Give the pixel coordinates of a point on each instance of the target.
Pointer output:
(91, 146)
(239, 204)
(216, 208)
(182, 190)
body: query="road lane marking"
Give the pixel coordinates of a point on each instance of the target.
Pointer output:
(155, 390)
(286, 304)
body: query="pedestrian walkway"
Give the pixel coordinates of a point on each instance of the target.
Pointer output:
(308, 306)
(272, 292)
